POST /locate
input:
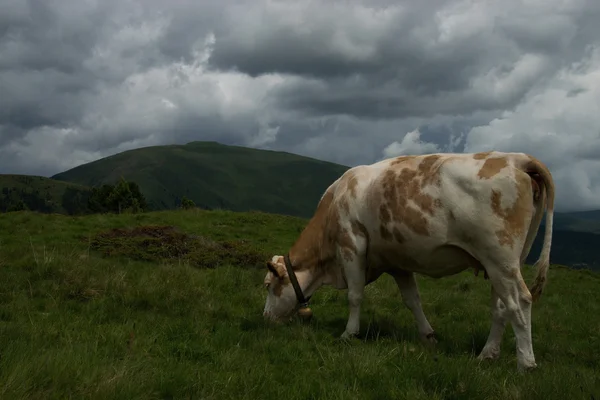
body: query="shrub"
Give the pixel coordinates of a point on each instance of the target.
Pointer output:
(166, 243)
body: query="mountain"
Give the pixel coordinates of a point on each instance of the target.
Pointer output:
(215, 176)
(579, 221)
(572, 248)
(18, 192)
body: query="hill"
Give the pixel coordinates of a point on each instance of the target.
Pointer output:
(90, 308)
(580, 221)
(236, 178)
(215, 176)
(18, 192)
(572, 248)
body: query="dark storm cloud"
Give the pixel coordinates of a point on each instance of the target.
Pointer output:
(345, 81)
(403, 63)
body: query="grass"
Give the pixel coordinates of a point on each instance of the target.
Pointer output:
(83, 315)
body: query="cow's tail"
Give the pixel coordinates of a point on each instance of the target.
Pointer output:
(543, 178)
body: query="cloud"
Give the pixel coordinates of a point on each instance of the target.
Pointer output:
(410, 144)
(560, 124)
(349, 82)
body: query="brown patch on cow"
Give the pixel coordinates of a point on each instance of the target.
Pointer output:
(398, 236)
(427, 169)
(514, 217)
(407, 185)
(345, 241)
(416, 221)
(401, 159)
(347, 245)
(423, 200)
(347, 254)
(384, 214)
(385, 233)
(280, 274)
(277, 269)
(491, 167)
(315, 247)
(481, 155)
(359, 229)
(278, 289)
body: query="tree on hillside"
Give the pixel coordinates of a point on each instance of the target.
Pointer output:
(19, 205)
(123, 197)
(74, 201)
(187, 204)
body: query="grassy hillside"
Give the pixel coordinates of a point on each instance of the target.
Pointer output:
(87, 311)
(216, 176)
(41, 194)
(581, 221)
(236, 178)
(572, 248)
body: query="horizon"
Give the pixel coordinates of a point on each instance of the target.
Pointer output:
(558, 209)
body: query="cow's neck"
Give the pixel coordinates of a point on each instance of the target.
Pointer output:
(313, 260)
(313, 254)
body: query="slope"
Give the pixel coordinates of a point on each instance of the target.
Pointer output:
(579, 221)
(216, 176)
(41, 194)
(79, 323)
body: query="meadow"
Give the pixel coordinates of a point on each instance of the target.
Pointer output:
(90, 308)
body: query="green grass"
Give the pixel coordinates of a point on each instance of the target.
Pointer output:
(75, 323)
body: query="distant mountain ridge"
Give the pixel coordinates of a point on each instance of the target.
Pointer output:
(214, 175)
(38, 193)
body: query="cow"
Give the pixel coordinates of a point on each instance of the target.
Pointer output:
(434, 215)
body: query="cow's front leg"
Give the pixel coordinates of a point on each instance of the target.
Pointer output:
(412, 300)
(355, 277)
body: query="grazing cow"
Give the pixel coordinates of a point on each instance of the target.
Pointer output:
(436, 215)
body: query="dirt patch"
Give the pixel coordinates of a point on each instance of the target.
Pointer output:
(156, 243)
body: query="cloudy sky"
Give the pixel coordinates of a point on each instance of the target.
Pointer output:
(345, 81)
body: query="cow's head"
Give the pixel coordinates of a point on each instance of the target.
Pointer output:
(282, 300)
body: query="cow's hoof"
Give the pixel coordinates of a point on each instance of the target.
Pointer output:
(429, 339)
(526, 367)
(488, 354)
(348, 335)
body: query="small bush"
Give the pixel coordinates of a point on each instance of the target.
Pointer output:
(166, 243)
(187, 204)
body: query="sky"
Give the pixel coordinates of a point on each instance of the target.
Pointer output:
(344, 81)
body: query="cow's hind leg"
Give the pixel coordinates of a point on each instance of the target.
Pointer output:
(412, 300)
(491, 350)
(511, 289)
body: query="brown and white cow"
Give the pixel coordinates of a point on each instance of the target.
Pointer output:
(436, 215)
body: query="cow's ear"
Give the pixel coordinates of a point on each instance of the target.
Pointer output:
(276, 269)
(273, 269)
